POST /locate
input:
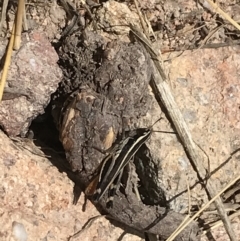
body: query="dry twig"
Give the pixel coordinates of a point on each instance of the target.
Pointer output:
(6, 63)
(18, 28)
(219, 222)
(205, 206)
(163, 93)
(223, 14)
(3, 15)
(85, 227)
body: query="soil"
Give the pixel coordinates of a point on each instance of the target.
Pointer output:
(80, 81)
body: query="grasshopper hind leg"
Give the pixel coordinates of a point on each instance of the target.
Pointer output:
(113, 189)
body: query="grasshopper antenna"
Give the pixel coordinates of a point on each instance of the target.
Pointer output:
(167, 132)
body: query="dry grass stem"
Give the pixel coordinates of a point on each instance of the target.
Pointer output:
(141, 18)
(179, 229)
(18, 21)
(3, 15)
(219, 223)
(6, 63)
(223, 14)
(86, 227)
(25, 25)
(182, 226)
(164, 95)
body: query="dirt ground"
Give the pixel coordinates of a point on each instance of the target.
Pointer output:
(42, 176)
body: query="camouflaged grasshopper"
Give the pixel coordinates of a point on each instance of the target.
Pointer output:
(112, 166)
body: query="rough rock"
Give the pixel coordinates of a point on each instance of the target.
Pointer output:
(34, 193)
(33, 76)
(37, 199)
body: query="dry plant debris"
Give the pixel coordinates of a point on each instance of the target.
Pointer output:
(179, 26)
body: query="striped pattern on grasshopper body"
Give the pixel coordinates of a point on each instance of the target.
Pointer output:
(114, 163)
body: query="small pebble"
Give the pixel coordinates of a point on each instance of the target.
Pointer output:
(19, 231)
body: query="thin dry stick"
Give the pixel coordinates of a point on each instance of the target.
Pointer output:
(163, 93)
(141, 18)
(205, 206)
(3, 15)
(19, 20)
(219, 222)
(6, 63)
(189, 196)
(86, 227)
(229, 193)
(179, 229)
(225, 15)
(25, 25)
(176, 232)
